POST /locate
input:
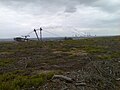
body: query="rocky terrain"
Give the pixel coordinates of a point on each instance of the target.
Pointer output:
(86, 64)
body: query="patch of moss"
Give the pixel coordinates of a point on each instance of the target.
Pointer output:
(6, 61)
(104, 57)
(12, 81)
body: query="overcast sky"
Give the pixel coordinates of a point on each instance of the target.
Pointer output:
(62, 17)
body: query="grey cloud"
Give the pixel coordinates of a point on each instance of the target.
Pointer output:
(70, 9)
(83, 13)
(108, 5)
(56, 5)
(32, 7)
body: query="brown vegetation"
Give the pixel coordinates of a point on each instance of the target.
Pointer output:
(93, 64)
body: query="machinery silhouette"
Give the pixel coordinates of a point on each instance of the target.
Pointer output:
(39, 32)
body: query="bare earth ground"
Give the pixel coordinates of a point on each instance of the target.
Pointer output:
(92, 64)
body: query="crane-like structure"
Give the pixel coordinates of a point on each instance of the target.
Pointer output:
(25, 37)
(36, 34)
(41, 34)
(39, 38)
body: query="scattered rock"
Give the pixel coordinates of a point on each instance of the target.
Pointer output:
(118, 79)
(61, 77)
(68, 72)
